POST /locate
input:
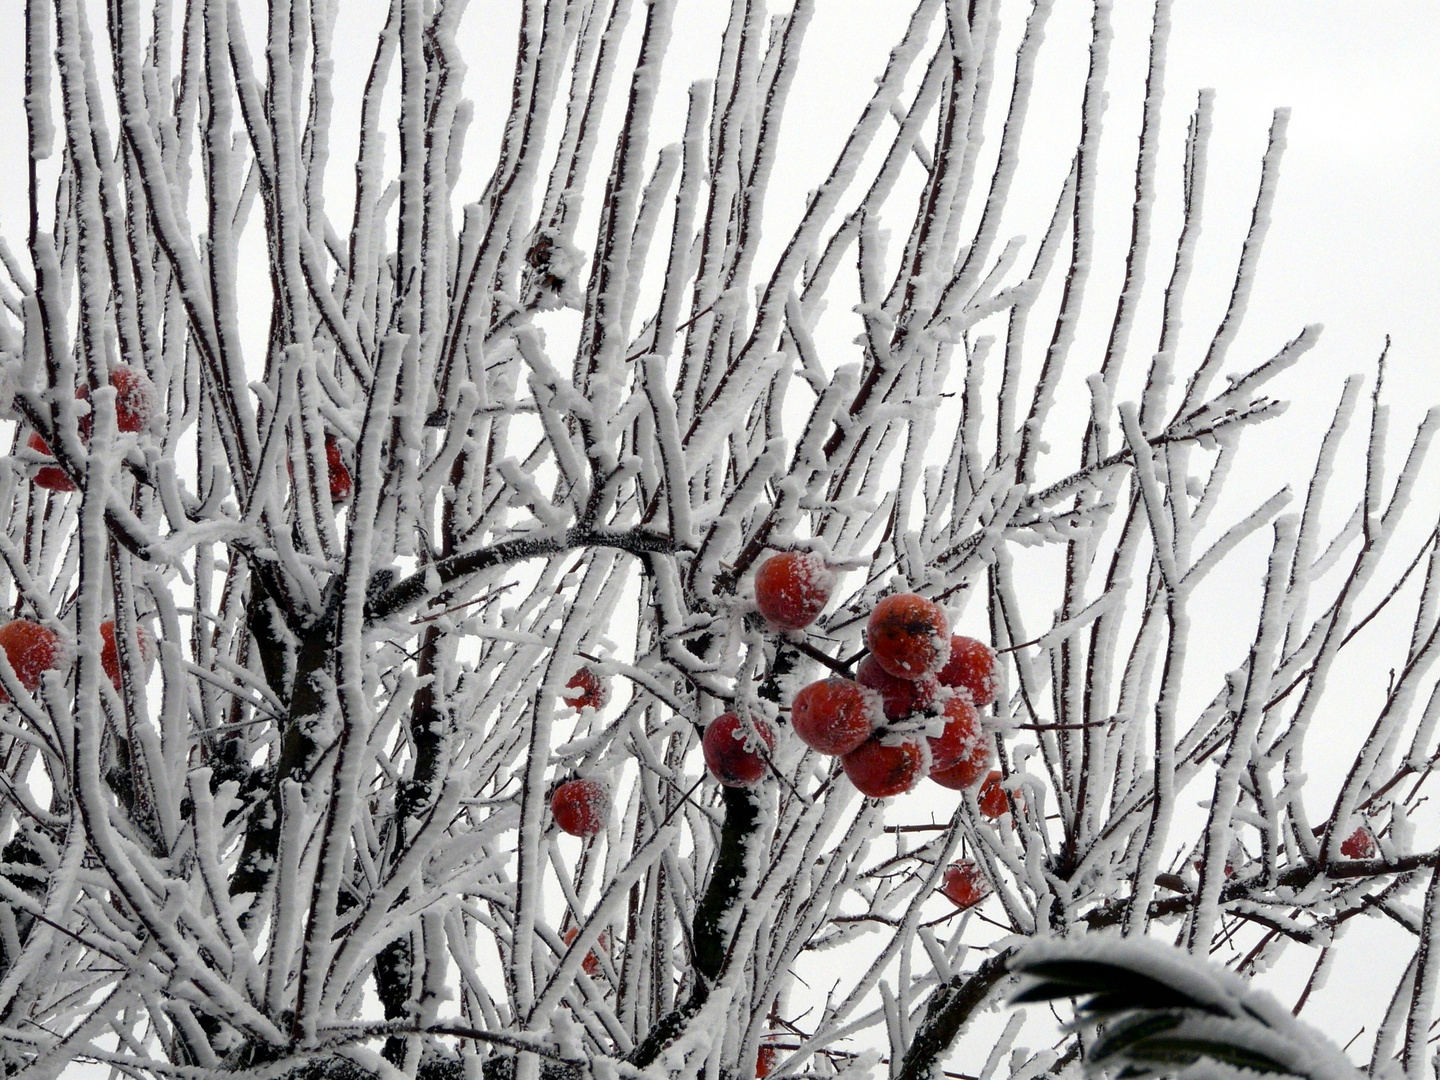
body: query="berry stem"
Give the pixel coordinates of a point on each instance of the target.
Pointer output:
(840, 667)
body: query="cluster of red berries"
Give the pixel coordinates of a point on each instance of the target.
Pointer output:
(134, 406)
(33, 649)
(916, 671)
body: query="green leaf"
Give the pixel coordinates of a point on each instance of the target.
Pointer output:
(1120, 987)
(1123, 1034)
(1169, 1050)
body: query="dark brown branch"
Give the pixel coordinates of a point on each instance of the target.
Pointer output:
(1297, 877)
(421, 585)
(949, 1009)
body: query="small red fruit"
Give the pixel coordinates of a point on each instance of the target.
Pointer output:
(589, 690)
(49, 477)
(966, 772)
(580, 807)
(792, 588)
(134, 398)
(901, 698)
(134, 406)
(1229, 867)
(992, 798)
(963, 884)
(591, 964)
(134, 401)
(1359, 845)
(339, 474)
(32, 649)
(972, 668)
(110, 652)
(882, 768)
(961, 739)
(765, 1061)
(732, 751)
(908, 635)
(833, 716)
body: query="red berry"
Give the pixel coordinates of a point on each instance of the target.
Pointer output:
(1359, 845)
(591, 964)
(792, 588)
(110, 652)
(963, 884)
(50, 477)
(1229, 867)
(961, 739)
(134, 398)
(992, 798)
(732, 751)
(32, 649)
(339, 474)
(590, 692)
(900, 697)
(764, 1061)
(134, 405)
(908, 635)
(966, 772)
(134, 401)
(972, 668)
(833, 716)
(882, 768)
(580, 807)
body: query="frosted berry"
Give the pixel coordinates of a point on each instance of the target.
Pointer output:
(732, 751)
(591, 964)
(900, 698)
(792, 588)
(1359, 845)
(339, 474)
(765, 1061)
(49, 477)
(833, 716)
(134, 398)
(961, 739)
(963, 884)
(110, 652)
(134, 401)
(134, 406)
(882, 768)
(580, 807)
(971, 668)
(589, 690)
(908, 635)
(992, 798)
(1229, 867)
(32, 650)
(967, 771)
